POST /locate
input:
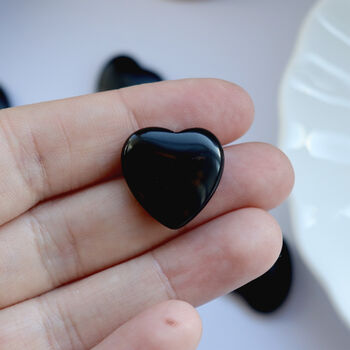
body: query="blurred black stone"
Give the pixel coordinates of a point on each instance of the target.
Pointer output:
(4, 102)
(269, 291)
(123, 71)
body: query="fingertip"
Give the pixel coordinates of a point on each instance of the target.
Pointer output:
(281, 170)
(185, 318)
(170, 325)
(290, 173)
(272, 242)
(263, 243)
(250, 243)
(285, 177)
(264, 172)
(229, 103)
(244, 104)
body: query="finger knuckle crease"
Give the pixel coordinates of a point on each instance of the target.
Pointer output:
(27, 158)
(170, 290)
(60, 328)
(59, 253)
(41, 237)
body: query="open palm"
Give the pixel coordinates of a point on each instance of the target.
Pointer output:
(82, 265)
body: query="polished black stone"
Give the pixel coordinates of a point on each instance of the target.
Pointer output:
(268, 292)
(172, 175)
(123, 71)
(4, 102)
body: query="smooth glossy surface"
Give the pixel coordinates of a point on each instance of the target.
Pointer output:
(268, 292)
(315, 134)
(172, 175)
(123, 71)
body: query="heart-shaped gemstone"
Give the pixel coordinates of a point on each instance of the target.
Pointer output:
(172, 175)
(123, 71)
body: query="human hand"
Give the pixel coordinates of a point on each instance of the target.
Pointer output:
(81, 261)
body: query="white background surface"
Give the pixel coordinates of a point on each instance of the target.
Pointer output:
(55, 49)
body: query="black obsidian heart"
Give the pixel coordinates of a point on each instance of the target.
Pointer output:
(172, 175)
(124, 71)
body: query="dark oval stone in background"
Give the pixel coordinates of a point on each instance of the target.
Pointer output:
(123, 71)
(4, 102)
(269, 291)
(172, 175)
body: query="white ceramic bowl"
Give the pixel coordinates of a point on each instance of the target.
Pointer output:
(315, 134)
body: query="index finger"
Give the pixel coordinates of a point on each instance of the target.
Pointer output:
(55, 147)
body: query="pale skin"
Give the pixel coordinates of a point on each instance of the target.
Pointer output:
(82, 265)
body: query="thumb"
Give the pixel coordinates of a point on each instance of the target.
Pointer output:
(171, 325)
